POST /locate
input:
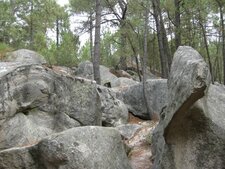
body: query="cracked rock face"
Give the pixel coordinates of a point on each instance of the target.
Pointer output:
(114, 111)
(190, 134)
(88, 147)
(25, 56)
(36, 102)
(133, 97)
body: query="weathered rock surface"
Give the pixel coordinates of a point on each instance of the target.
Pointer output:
(114, 111)
(80, 148)
(190, 134)
(137, 137)
(124, 82)
(25, 56)
(36, 102)
(133, 97)
(127, 131)
(85, 70)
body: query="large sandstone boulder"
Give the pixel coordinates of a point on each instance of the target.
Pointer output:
(80, 148)
(122, 82)
(114, 111)
(85, 70)
(190, 134)
(36, 102)
(133, 97)
(25, 56)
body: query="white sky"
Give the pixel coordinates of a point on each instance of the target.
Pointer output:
(62, 2)
(85, 36)
(74, 21)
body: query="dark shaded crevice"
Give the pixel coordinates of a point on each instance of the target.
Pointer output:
(26, 110)
(81, 124)
(181, 113)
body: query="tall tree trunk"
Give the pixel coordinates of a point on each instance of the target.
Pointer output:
(123, 57)
(223, 39)
(165, 41)
(160, 34)
(207, 50)
(31, 25)
(221, 7)
(145, 57)
(57, 32)
(91, 36)
(96, 60)
(177, 23)
(136, 58)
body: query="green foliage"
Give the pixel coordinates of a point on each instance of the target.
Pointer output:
(66, 54)
(85, 53)
(109, 56)
(4, 48)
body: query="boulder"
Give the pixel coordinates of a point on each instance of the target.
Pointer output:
(127, 131)
(85, 70)
(191, 132)
(25, 56)
(124, 82)
(133, 97)
(81, 148)
(18, 158)
(114, 111)
(139, 144)
(36, 102)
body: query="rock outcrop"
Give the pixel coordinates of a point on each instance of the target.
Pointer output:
(81, 148)
(85, 70)
(114, 111)
(190, 134)
(133, 97)
(36, 102)
(25, 56)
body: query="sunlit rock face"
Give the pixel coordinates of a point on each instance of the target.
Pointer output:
(88, 147)
(35, 102)
(25, 56)
(190, 134)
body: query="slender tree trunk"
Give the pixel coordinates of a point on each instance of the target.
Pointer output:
(136, 58)
(221, 7)
(160, 34)
(31, 25)
(91, 36)
(123, 57)
(177, 23)
(145, 57)
(218, 59)
(207, 50)
(165, 41)
(96, 60)
(223, 40)
(57, 32)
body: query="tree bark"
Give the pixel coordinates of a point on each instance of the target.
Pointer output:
(177, 23)
(96, 60)
(161, 39)
(91, 36)
(145, 57)
(207, 51)
(57, 32)
(123, 57)
(223, 41)
(136, 58)
(221, 6)
(31, 25)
